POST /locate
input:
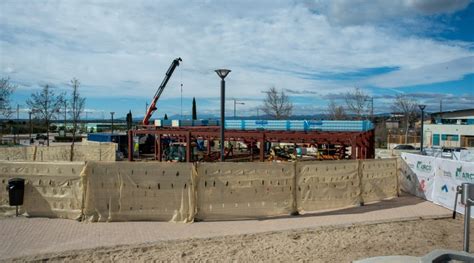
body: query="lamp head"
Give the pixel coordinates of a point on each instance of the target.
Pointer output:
(222, 73)
(422, 107)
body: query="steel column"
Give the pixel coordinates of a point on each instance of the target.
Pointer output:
(262, 148)
(208, 146)
(251, 151)
(222, 118)
(188, 147)
(130, 145)
(158, 153)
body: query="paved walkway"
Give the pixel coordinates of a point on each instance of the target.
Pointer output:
(29, 236)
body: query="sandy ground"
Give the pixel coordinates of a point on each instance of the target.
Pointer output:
(325, 244)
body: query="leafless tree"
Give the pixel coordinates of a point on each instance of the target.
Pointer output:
(45, 104)
(277, 104)
(407, 106)
(336, 112)
(76, 104)
(357, 102)
(6, 89)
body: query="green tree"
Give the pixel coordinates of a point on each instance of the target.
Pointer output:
(194, 109)
(129, 119)
(166, 116)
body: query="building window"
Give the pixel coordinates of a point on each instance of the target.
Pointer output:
(436, 139)
(450, 137)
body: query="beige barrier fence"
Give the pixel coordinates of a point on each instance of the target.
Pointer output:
(379, 179)
(244, 190)
(125, 191)
(17, 153)
(88, 152)
(327, 185)
(51, 189)
(179, 192)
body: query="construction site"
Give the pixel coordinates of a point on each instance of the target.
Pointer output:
(211, 170)
(246, 140)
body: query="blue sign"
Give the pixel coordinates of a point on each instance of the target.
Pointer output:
(444, 188)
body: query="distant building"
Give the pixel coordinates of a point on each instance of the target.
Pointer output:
(450, 129)
(392, 124)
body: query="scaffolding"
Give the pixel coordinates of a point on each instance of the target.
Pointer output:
(359, 145)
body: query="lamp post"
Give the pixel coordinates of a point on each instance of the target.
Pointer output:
(112, 117)
(222, 73)
(31, 127)
(371, 99)
(422, 108)
(235, 103)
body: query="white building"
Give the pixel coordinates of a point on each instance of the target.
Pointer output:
(450, 129)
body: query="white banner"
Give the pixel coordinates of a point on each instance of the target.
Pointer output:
(418, 175)
(449, 175)
(435, 179)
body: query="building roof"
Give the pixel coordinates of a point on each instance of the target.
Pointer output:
(454, 113)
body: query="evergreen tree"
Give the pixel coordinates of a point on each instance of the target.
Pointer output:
(166, 116)
(129, 120)
(194, 109)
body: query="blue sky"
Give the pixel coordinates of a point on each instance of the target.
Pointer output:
(313, 50)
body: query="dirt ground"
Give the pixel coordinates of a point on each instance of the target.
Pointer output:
(334, 244)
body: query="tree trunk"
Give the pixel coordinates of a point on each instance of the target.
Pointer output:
(47, 133)
(73, 141)
(406, 131)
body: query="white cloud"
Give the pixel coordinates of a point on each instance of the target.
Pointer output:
(350, 12)
(124, 48)
(434, 73)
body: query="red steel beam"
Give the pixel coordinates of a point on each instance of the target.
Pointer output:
(362, 143)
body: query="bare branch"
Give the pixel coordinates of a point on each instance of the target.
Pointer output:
(6, 89)
(336, 112)
(277, 104)
(357, 102)
(44, 105)
(76, 108)
(407, 106)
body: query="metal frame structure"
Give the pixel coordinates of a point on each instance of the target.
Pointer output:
(362, 143)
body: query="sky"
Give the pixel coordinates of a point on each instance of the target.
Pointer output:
(312, 50)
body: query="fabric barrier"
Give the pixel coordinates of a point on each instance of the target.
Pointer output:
(378, 179)
(88, 152)
(17, 153)
(179, 192)
(435, 179)
(51, 189)
(417, 173)
(449, 175)
(327, 185)
(244, 190)
(125, 191)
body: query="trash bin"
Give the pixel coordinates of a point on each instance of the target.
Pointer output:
(16, 190)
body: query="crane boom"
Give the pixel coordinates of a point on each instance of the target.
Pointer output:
(152, 108)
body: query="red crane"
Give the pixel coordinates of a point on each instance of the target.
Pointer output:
(152, 108)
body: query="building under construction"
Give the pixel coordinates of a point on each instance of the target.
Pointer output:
(247, 140)
(252, 140)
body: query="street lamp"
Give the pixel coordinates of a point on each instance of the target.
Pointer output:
(222, 73)
(371, 99)
(237, 102)
(422, 108)
(31, 126)
(112, 117)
